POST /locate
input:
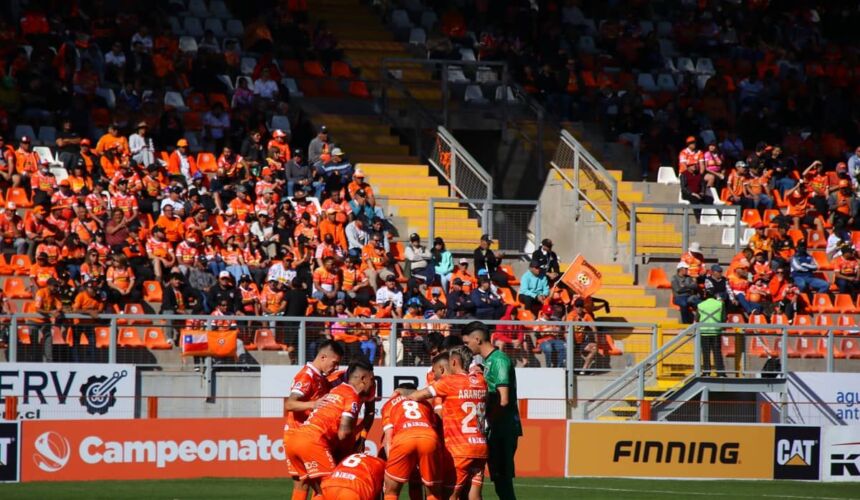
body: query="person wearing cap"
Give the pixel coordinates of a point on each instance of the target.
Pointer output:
(460, 303)
(842, 203)
(735, 183)
(42, 184)
(279, 142)
(467, 279)
(50, 309)
(85, 157)
(337, 172)
(690, 155)
(26, 162)
(685, 292)
(803, 267)
(487, 304)
(127, 202)
(299, 173)
(112, 140)
(319, 146)
(489, 260)
(357, 234)
(847, 270)
(181, 162)
(378, 262)
(225, 291)
(336, 201)
(443, 262)
(418, 260)
(141, 146)
(818, 182)
(710, 311)
(391, 296)
(717, 283)
(547, 259)
(359, 182)
(534, 287)
(272, 300)
(360, 208)
(11, 229)
(694, 258)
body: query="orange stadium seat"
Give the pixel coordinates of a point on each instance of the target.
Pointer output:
(821, 260)
(607, 344)
(801, 320)
(816, 239)
(657, 278)
(135, 309)
(102, 337)
(218, 98)
(804, 347)
(769, 215)
(265, 341)
(761, 347)
(16, 288)
(314, 68)
(849, 324)
(128, 337)
(727, 345)
(851, 348)
(844, 304)
(509, 272)
(24, 335)
(751, 217)
(821, 303)
(340, 69)
(19, 196)
(5, 268)
(359, 89)
(152, 291)
(57, 336)
(823, 343)
(506, 295)
(398, 253)
(207, 163)
(20, 264)
(193, 120)
(155, 339)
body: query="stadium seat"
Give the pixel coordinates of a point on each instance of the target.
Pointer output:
(657, 278)
(801, 320)
(710, 217)
(646, 82)
(685, 65)
(821, 303)
(135, 309)
(607, 345)
(174, 100)
(5, 268)
(192, 27)
(281, 122)
(47, 135)
(25, 335)
(214, 24)
(155, 339)
(751, 217)
(340, 69)
(128, 337)
(219, 9)
(428, 20)
(760, 347)
(102, 337)
(727, 345)
(417, 36)
(475, 95)
(198, 8)
(44, 153)
(804, 347)
(309, 87)
(16, 288)
(735, 318)
(847, 324)
(314, 69)
(235, 28)
(506, 295)
(823, 344)
(769, 215)
(850, 347)
(704, 66)
(467, 54)
(666, 175)
(400, 19)
(19, 196)
(456, 75)
(247, 65)
(193, 121)
(398, 253)
(24, 131)
(206, 162)
(293, 88)
(816, 239)
(665, 83)
(175, 26)
(265, 341)
(20, 264)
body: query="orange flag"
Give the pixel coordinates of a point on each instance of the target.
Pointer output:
(582, 277)
(217, 343)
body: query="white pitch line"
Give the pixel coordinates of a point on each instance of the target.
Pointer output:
(706, 494)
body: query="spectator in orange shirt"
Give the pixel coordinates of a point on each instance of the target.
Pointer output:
(799, 208)
(695, 260)
(690, 156)
(331, 226)
(160, 252)
(121, 282)
(462, 272)
(174, 228)
(847, 267)
(88, 301)
(359, 183)
(242, 205)
(819, 185)
(111, 139)
(327, 282)
(181, 162)
(41, 272)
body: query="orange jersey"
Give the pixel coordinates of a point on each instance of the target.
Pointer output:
(342, 401)
(848, 267)
(401, 414)
(463, 405)
(358, 476)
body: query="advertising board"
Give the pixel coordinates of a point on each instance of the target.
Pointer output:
(50, 391)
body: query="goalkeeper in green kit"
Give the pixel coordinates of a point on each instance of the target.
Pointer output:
(503, 417)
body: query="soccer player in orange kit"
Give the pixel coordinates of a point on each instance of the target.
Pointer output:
(309, 386)
(410, 440)
(309, 447)
(463, 403)
(358, 477)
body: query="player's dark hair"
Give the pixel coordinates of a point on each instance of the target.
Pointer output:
(463, 354)
(451, 341)
(441, 357)
(335, 347)
(477, 326)
(358, 364)
(408, 386)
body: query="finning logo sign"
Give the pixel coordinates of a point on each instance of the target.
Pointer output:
(98, 393)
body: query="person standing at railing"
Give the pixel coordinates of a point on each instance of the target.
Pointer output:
(711, 311)
(87, 301)
(50, 308)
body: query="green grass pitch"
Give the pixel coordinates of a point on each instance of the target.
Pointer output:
(527, 489)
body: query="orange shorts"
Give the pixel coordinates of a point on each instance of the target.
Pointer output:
(290, 469)
(409, 449)
(339, 493)
(308, 454)
(459, 471)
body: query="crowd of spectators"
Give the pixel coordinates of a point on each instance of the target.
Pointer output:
(733, 73)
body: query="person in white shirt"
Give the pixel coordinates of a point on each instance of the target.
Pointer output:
(115, 64)
(265, 87)
(282, 272)
(391, 294)
(143, 37)
(141, 146)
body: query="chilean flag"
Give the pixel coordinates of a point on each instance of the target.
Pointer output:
(194, 343)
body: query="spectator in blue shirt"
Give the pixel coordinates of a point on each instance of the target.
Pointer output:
(488, 305)
(802, 267)
(534, 287)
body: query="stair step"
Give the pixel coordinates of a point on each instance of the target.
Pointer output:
(613, 418)
(624, 410)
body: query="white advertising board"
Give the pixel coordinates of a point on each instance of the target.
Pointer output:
(841, 453)
(62, 391)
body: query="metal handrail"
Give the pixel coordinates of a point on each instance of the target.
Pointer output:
(636, 374)
(461, 157)
(581, 157)
(484, 209)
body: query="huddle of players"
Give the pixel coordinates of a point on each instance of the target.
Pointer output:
(322, 433)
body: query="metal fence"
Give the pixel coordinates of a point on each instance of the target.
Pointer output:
(665, 230)
(466, 177)
(514, 223)
(592, 184)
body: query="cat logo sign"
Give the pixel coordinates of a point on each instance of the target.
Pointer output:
(796, 452)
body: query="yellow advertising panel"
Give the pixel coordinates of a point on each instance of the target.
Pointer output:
(669, 450)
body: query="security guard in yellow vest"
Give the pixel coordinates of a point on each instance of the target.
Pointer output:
(711, 310)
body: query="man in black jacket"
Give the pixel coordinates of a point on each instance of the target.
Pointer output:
(226, 289)
(176, 299)
(547, 259)
(489, 260)
(459, 304)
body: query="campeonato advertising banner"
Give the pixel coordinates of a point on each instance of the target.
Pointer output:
(189, 448)
(543, 387)
(51, 391)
